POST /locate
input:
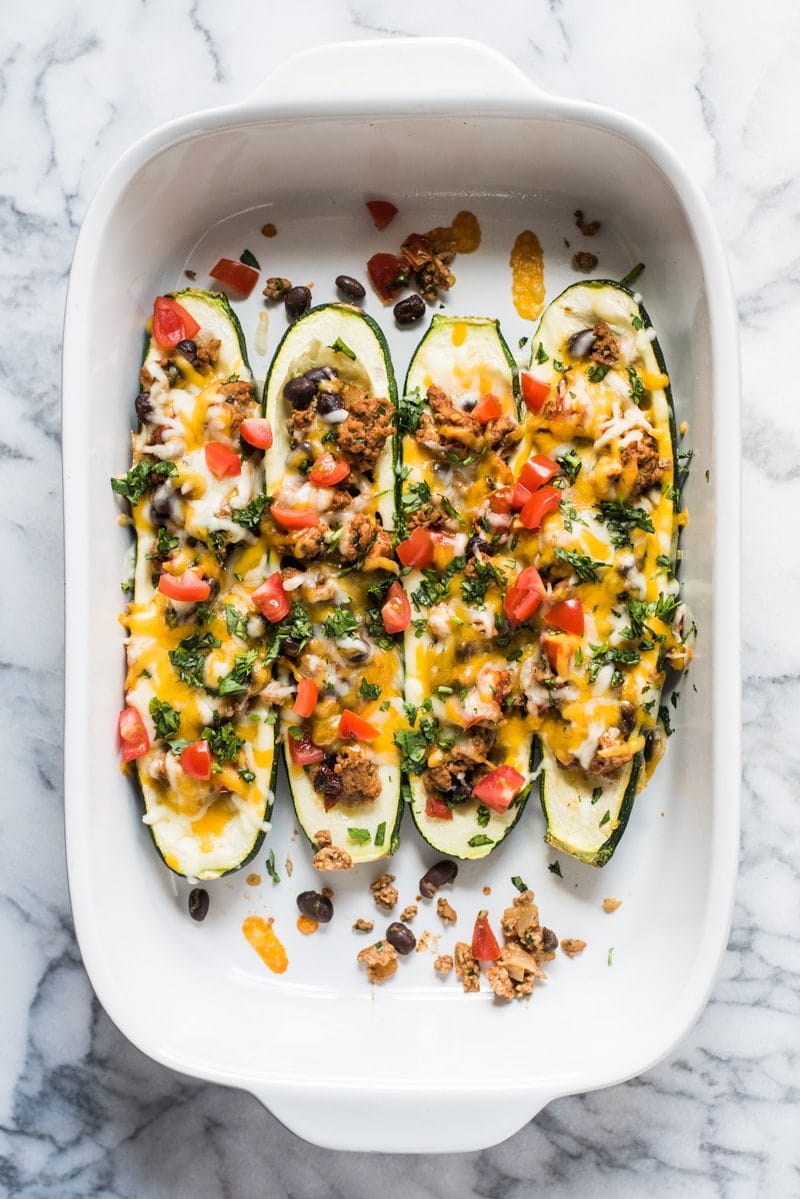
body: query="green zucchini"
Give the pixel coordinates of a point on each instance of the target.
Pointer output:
(337, 572)
(609, 419)
(457, 646)
(196, 669)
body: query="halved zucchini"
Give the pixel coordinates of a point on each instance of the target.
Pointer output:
(611, 548)
(196, 667)
(459, 419)
(330, 483)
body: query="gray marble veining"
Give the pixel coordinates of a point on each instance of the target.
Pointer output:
(82, 1113)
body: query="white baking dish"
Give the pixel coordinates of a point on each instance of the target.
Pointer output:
(414, 1066)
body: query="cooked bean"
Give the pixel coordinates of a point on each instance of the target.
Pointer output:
(143, 406)
(476, 545)
(327, 783)
(350, 287)
(407, 311)
(296, 302)
(290, 647)
(315, 906)
(440, 874)
(299, 392)
(580, 344)
(318, 373)
(327, 403)
(549, 940)
(198, 903)
(187, 348)
(401, 937)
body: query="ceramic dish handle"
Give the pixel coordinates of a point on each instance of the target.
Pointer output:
(403, 1120)
(398, 74)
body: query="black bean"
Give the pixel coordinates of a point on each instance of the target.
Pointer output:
(476, 545)
(327, 402)
(401, 937)
(315, 906)
(299, 392)
(407, 311)
(198, 903)
(290, 647)
(580, 344)
(188, 349)
(296, 302)
(350, 287)
(440, 874)
(327, 783)
(161, 504)
(318, 373)
(549, 940)
(143, 406)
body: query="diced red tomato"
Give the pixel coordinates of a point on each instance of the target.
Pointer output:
(327, 471)
(396, 612)
(417, 549)
(522, 600)
(499, 787)
(382, 212)
(530, 580)
(538, 470)
(353, 727)
(484, 942)
(172, 323)
(559, 649)
(541, 503)
(188, 588)
(271, 599)
(501, 500)
(196, 760)
(132, 734)
(222, 461)
(567, 616)
(534, 393)
(306, 698)
(302, 750)
(388, 274)
(236, 275)
(519, 497)
(488, 408)
(257, 431)
(437, 809)
(294, 518)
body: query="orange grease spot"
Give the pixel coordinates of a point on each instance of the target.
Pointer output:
(527, 275)
(306, 925)
(253, 880)
(264, 940)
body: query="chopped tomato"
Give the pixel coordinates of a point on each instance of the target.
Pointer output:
(257, 431)
(353, 727)
(306, 698)
(559, 651)
(417, 549)
(172, 323)
(499, 787)
(501, 500)
(236, 275)
(437, 809)
(396, 612)
(534, 393)
(567, 616)
(382, 212)
(519, 497)
(327, 471)
(444, 547)
(196, 760)
(294, 518)
(302, 750)
(222, 461)
(388, 274)
(488, 408)
(484, 942)
(530, 580)
(541, 503)
(271, 599)
(132, 734)
(189, 588)
(538, 470)
(522, 600)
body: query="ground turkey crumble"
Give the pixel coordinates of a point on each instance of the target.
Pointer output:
(363, 435)
(527, 945)
(611, 905)
(380, 960)
(384, 894)
(363, 926)
(359, 777)
(443, 964)
(408, 913)
(447, 913)
(571, 946)
(467, 968)
(329, 856)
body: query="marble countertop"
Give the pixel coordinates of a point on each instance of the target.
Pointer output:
(83, 1112)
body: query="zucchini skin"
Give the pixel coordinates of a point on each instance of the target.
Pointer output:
(316, 333)
(634, 777)
(174, 860)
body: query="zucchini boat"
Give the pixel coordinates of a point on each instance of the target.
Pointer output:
(196, 723)
(330, 397)
(601, 528)
(467, 747)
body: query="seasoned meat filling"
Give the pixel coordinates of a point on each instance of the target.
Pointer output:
(369, 423)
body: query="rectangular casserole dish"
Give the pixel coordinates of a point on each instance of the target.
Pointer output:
(415, 1066)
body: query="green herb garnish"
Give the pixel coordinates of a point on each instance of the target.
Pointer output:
(585, 567)
(342, 348)
(165, 718)
(360, 835)
(142, 478)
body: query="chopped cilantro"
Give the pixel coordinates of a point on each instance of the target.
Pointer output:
(342, 348)
(474, 587)
(368, 691)
(632, 275)
(235, 622)
(636, 384)
(621, 518)
(637, 323)
(559, 366)
(189, 658)
(341, 623)
(165, 718)
(555, 868)
(249, 517)
(141, 478)
(409, 410)
(271, 870)
(222, 740)
(570, 464)
(483, 816)
(541, 355)
(610, 958)
(597, 794)
(479, 839)
(360, 835)
(663, 716)
(296, 625)
(585, 567)
(523, 341)
(518, 883)
(597, 372)
(249, 259)
(165, 544)
(605, 818)
(380, 834)
(603, 655)
(236, 682)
